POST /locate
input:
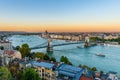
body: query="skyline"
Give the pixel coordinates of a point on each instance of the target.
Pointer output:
(60, 15)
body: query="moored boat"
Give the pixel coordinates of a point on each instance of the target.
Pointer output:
(101, 55)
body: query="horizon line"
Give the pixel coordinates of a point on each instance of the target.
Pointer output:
(64, 31)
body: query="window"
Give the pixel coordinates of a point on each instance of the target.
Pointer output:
(42, 74)
(42, 70)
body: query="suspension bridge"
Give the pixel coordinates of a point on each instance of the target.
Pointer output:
(45, 44)
(49, 46)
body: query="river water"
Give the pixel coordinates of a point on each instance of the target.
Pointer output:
(76, 55)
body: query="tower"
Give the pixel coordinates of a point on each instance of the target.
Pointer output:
(47, 34)
(49, 47)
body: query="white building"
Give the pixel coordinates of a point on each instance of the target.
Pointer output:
(68, 37)
(1, 57)
(8, 55)
(17, 54)
(111, 36)
(6, 45)
(112, 76)
(75, 38)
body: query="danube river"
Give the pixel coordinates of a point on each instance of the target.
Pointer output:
(76, 55)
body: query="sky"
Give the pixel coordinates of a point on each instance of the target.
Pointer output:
(60, 15)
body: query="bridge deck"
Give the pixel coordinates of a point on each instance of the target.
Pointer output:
(57, 45)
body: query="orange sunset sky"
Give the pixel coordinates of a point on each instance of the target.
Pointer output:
(60, 15)
(61, 28)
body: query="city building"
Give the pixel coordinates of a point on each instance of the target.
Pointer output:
(67, 37)
(6, 45)
(17, 54)
(45, 70)
(68, 72)
(112, 76)
(7, 56)
(85, 78)
(111, 36)
(1, 57)
(60, 36)
(75, 38)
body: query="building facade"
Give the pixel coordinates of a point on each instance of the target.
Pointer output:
(6, 45)
(45, 70)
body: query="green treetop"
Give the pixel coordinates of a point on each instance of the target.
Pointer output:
(65, 60)
(25, 50)
(30, 74)
(4, 74)
(39, 55)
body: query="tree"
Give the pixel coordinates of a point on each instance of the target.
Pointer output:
(85, 66)
(1, 47)
(70, 63)
(118, 42)
(30, 74)
(80, 65)
(53, 59)
(31, 55)
(94, 69)
(18, 76)
(101, 72)
(94, 39)
(25, 50)
(14, 69)
(17, 48)
(4, 74)
(46, 57)
(103, 40)
(39, 55)
(65, 60)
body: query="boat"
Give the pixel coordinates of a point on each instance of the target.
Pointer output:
(101, 55)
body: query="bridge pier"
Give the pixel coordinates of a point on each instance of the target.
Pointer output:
(49, 47)
(86, 42)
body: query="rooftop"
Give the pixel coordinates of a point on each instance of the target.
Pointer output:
(9, 52)
(47, 61)
(85, 78)
(69, 68)
(71, 71)
(4, 41)
(43, 64)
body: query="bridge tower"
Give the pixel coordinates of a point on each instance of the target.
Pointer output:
(86, 41)
(49, 47)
